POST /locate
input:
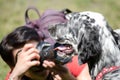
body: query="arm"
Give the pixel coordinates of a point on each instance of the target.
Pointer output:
(62, 72)
(84, 75)
(27, 58)
(25, 61)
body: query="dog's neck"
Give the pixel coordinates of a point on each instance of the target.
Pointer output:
(109, 56)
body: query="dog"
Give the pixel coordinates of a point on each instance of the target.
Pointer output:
(90, 36)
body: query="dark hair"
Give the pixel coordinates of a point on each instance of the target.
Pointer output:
(14, 40)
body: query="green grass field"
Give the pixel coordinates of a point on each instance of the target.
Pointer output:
(12, 14)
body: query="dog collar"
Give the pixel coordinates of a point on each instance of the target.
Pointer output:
(106, 70)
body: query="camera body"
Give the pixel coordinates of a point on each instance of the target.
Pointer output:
(48, 52)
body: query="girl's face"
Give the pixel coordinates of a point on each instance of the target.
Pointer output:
(25, 58)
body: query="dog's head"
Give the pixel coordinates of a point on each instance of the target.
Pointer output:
(84, 32)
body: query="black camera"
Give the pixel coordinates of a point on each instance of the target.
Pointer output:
(48, 52)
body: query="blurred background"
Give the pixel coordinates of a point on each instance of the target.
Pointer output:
(12, 14)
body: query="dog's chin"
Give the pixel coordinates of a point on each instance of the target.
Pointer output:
(68, 50)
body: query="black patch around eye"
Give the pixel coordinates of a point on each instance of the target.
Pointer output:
(52, 31)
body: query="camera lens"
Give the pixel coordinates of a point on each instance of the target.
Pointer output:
(46, 51)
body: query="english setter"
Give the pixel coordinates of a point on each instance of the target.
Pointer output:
(89, 34)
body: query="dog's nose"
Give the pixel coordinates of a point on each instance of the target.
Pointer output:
(60, 39)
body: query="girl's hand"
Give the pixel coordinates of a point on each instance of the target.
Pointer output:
(28, 57)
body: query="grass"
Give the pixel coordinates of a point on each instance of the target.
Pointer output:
(3, 69)
(12, 14)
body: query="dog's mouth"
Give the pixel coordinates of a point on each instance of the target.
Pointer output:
(64, 49)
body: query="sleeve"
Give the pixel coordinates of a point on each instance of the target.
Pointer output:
(7, 76)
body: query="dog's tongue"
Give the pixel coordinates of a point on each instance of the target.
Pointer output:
(64, 49)
(61, 48)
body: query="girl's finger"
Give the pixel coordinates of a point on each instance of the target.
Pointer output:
(48, 64)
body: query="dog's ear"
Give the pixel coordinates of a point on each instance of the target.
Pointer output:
(89, 47)
(115, 35)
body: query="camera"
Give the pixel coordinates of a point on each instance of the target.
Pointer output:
(48, 52)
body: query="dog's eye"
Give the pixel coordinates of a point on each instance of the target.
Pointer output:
(52, 30)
